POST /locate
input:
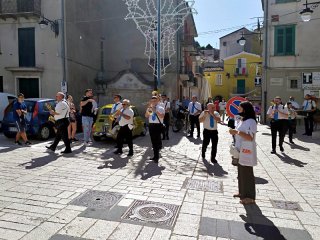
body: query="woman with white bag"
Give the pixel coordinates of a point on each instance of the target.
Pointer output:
(246, 145)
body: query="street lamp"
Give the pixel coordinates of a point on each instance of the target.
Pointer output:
(307, 12)
(54, 25)
(242, 41)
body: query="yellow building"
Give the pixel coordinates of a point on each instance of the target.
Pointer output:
(240, 75)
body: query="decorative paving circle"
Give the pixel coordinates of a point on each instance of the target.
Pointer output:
(203, 185)
(97, 199)
(152, 213)
(159, 214)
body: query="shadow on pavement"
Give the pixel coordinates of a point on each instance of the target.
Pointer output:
(41, 161)
(260, 180)
(259, 225)
(214, 170)
(150, 170)
(289, 160)
(196, 141)
(295, 146)
(116, 163)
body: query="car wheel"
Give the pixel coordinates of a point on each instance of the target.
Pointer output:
(45, 132)
(9, 135)
(97, 139)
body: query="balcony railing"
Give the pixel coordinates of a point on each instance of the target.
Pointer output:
(20, 8)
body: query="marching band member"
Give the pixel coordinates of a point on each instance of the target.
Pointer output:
(210, 119)
(194, 109)
(155, 113)
(125, 120)
(115, 107)
(279, 118)
(166, 120)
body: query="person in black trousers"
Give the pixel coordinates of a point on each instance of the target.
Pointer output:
(61, 116)
(278, 114)
(125, 117)
(210, 119)
(166, 120)
(309, 107)
(194, 109)
(155, 113)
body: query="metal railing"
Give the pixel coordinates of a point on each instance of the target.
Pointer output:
(240, 90)
(12, 8)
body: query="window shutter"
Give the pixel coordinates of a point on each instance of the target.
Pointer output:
(290, 40)
(279, 41)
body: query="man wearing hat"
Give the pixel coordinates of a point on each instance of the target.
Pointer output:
(194, 109)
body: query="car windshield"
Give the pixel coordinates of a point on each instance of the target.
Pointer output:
(106, 111)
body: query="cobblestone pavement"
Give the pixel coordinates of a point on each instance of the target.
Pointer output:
(94, 194)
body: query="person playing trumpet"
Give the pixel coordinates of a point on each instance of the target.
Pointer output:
(210, 119)
(124, 117)
(115, 107)
(155, 113)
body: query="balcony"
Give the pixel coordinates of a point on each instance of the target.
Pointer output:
(240, 71)
(240, 91)
(20, 8)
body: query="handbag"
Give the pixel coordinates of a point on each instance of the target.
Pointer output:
(248, 153)
(234, 154)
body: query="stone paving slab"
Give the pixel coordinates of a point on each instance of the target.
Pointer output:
(37, 190)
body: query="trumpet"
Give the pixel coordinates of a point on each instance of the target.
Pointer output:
(48, 106)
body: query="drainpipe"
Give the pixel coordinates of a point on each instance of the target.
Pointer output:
(63, 47)
(265, 67)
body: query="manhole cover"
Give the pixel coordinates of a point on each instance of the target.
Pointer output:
(202, 185)
(286, 205)
(97, 199)
(151, 212)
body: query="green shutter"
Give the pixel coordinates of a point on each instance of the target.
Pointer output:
(285, 1)
(284, 42)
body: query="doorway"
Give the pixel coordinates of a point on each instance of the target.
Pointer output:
(241, 86)
(29, 87)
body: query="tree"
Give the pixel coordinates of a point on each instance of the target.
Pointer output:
(197, 45)
(209, 47)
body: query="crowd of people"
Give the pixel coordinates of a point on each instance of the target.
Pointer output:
(159, 110)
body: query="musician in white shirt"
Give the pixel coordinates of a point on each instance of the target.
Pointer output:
(194, 109)
(115, 107)
(125, 117)
(278, 114)
(210, 119)
(155, 113)
(167, 107)
(309, 107)
(61, 116)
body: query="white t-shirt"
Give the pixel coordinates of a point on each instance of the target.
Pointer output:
(197, 107)
(153, 118)
(206, 122)
(222, 106)
(248, 126)
(282, 112)
(308, 104)
(116, 107)
(62, 108)
(123, 121)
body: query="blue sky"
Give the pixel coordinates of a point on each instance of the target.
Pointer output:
(223, 14)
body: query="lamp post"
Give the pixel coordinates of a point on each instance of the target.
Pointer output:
(306, 13)
(53, 24)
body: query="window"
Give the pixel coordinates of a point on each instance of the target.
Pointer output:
(285, 1)
(1, 84)
(224, 44)
(26, 47)
(293, 83)
(219, 79)
(284, 40)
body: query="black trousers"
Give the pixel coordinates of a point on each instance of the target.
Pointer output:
(292, 123)
(155, 135)
(246, 182)
(125, 133)
(194, 120)
(210, 135)
(279, 126)
(62, 133)
(308, 124)
(166, 122)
